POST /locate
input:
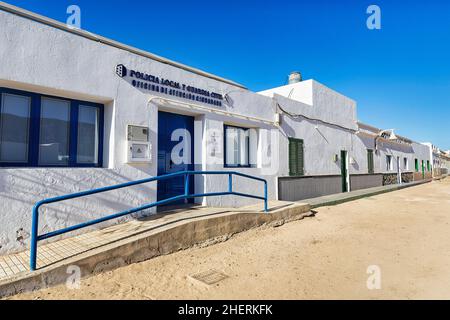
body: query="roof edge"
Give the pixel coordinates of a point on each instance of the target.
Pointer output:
(91, 36)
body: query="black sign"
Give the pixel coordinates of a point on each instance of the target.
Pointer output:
(153, 83)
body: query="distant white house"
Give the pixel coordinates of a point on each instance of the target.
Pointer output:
(440, 160)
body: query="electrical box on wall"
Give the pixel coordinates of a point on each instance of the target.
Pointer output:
(277, 119)
(139, 148)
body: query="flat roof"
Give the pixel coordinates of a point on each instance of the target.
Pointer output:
(58, 25)
(373, 129)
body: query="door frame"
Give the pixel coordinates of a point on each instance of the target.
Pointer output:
(345, 174)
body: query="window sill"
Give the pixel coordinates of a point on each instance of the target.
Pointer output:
(239, 167)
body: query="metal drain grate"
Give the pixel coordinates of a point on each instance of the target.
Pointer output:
(209, 277)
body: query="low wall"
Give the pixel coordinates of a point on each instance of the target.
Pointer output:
(365, 181)
(307, 187)
(300, 188)
(391, 178)
(439, 172)
(407, 177)
(418, 176)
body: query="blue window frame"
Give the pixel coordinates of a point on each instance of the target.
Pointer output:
(47, 131)
(236, 147)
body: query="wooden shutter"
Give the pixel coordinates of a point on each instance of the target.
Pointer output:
(370, 161)
(300, 159)
(292, 158)
(296, 157)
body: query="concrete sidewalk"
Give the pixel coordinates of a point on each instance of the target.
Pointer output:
(338, 198)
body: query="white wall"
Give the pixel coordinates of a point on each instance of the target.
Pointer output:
(317, 101)
(42, 59)
(39, 58)
(322, 139)
(422, 152)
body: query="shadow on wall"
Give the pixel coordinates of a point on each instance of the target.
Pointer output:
(383, 146)
(20, 189)
(355, 165)
(289, 131)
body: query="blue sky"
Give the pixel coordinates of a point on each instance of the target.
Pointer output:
(399, 75)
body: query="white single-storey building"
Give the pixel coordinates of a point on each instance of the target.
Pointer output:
(79, 111)
(440, 160)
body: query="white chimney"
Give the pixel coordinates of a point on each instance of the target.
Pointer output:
(294, 77)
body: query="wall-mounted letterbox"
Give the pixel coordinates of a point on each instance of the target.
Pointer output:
(139, 148)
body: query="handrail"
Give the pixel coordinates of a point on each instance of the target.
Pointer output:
(35, 237)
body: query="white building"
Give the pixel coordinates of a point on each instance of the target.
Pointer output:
(79, 111)
(440, 160)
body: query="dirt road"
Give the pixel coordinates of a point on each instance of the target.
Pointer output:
(406, 234)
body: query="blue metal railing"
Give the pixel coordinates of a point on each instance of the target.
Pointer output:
(35, 237)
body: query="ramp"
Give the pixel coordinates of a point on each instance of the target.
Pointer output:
(136, 241)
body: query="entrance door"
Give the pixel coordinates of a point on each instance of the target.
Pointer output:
(175, 154)
(344, 171)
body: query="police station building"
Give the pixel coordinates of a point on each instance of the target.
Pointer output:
(79, 111)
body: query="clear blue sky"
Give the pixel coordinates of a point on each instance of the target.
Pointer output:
(399, 75)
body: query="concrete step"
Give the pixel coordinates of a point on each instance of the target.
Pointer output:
(335, 199)
(135, 241)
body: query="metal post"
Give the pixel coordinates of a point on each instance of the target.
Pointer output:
(34, 238)
(266, 207)
(186, 185)
(230, 183)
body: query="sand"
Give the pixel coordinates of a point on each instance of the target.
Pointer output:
(406, 234)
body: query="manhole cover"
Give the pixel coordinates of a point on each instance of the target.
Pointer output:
(209, 277)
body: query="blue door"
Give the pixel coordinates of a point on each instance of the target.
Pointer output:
(175, 153)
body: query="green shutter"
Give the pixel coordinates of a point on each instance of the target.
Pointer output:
(300, 159)
(370, 161)
(296, 157)
(292, 158)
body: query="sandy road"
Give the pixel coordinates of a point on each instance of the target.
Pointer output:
(405, 233)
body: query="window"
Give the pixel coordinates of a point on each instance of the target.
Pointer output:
(370, 161)
(43, 131)
(296, 157)
(389, 163)
(14, 128)
(88, 120)
(405, 164)
(417, 164)
(237, 147)
(428, 165)
(54, 132)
